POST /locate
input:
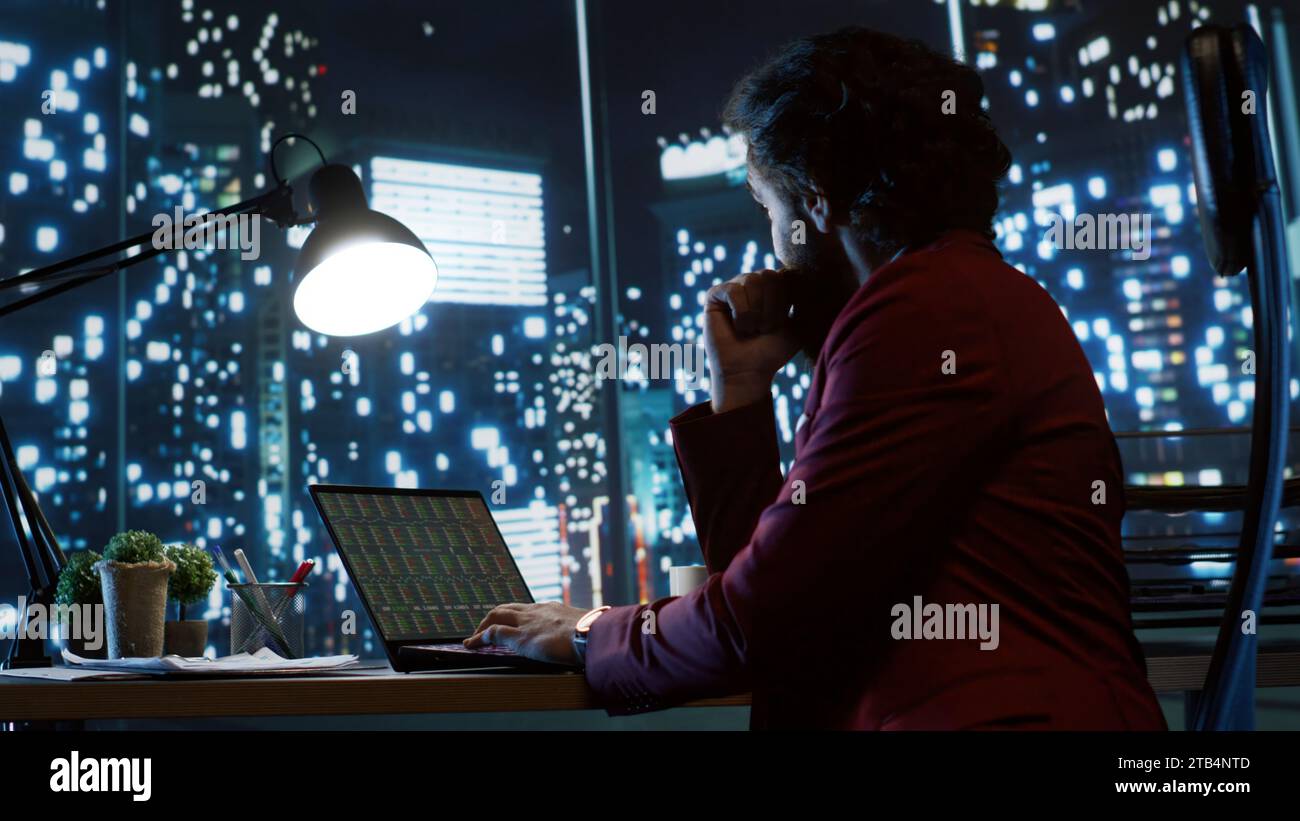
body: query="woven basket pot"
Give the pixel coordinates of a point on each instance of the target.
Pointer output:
(135, 606)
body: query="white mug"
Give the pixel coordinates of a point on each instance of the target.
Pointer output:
(685, 578)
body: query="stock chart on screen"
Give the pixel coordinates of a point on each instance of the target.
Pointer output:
(430, 566)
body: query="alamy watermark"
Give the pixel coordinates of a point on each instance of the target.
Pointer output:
(208, 231)
(1102, 232)
(952, 622)
(84, 622)
(684, 362)
(77, 774)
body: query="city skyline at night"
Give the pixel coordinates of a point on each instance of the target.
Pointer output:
(191, 372)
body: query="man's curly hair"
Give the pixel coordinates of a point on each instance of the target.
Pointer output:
(859, 115)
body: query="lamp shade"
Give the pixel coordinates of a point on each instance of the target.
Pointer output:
(359, 271)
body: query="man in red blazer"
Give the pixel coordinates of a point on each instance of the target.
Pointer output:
(944, 552)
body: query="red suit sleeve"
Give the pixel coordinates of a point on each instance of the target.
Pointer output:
(802, 571)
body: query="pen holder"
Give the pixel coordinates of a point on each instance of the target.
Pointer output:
(271, 615)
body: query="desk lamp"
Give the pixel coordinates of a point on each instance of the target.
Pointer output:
(358, 272)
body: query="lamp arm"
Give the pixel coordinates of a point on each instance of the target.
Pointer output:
(43, 556)
(34, 559)
(275, 205)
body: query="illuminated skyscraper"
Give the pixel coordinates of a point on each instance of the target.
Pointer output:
(58, 391)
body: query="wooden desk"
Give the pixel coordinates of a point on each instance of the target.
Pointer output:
(1171, 667)
(369, 692)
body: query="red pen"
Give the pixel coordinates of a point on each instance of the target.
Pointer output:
(302, 571)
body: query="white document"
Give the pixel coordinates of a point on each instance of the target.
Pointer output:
(68, 674)
(263, 661)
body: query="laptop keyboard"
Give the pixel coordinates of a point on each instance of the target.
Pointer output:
(460, 648)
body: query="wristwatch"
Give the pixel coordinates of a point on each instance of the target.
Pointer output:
(580, 633)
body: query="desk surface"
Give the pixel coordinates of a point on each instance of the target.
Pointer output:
(1171, 667)
(363, 692)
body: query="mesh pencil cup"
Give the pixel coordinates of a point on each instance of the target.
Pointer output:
(271, 615)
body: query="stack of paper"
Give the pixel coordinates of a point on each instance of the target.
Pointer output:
(68, 674)
(262, 662)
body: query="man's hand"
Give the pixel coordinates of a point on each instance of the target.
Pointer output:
(748, 336)
(539, 631)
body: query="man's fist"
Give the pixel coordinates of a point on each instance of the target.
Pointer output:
(748, 336)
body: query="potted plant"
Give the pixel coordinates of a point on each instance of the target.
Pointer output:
(133, 574)
(189, 584)
(79, 585)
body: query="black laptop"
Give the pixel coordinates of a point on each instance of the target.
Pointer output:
(428, 566)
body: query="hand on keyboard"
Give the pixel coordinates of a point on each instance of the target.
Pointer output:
(460, 648)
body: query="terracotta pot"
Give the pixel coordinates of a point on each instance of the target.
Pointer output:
(135, 606)
(185, 638)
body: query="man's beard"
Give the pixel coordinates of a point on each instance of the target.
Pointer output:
(822, 284)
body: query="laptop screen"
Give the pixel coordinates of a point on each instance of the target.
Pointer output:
(428, 564)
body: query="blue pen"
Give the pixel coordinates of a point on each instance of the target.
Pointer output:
(221, 559)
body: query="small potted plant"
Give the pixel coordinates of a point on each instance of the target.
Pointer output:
(189, 584)
(133, 574)
(79, 585)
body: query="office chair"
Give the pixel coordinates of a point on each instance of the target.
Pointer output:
(1225, 81)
